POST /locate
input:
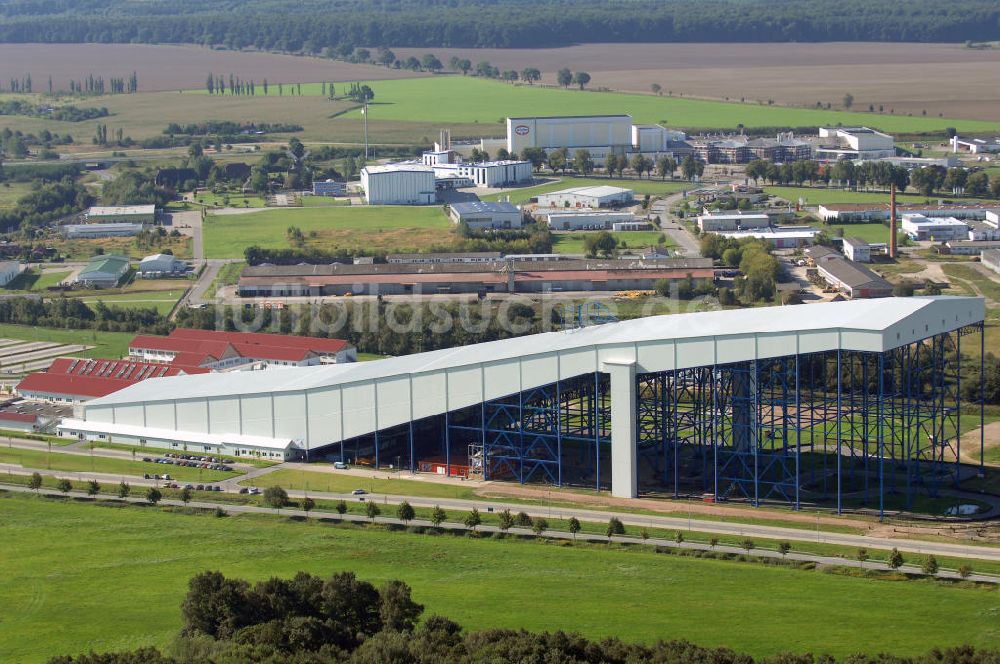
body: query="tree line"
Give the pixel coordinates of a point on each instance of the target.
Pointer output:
(74, 314)
(925, 180)
(90, 85)
(309, 26)
(344, 619)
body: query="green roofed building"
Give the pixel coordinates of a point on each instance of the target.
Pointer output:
(103, 271)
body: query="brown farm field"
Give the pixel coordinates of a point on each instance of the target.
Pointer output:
(949, 79)
(174, 67)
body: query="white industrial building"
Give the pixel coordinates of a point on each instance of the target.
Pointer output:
(854, 143)
(586, 220)
(9, 271)
(600, 134)
(974, 145)
(780, 237)
(732, 221)
(587, 197)
(857, 250)
(121, 214)
(162, 265)
(938, 229)
(81, 231)
(399, 184)
(370, 406)
(486, 174)
(480, 215)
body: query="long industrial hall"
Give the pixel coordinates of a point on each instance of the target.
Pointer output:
(838, 405)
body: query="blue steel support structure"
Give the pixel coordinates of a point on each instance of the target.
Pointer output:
(848, 428)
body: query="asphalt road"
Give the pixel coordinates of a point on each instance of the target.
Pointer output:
(318, 514)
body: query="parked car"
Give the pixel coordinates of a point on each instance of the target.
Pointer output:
(358, 492)
(255, 491)
(243, 489)
(340, 465)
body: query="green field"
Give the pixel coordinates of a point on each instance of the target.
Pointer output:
(641, 187)
(85, 463)
(820, 196)
(10, 192)
(105, 344)
(875, 232)
(466, 99)
(375, 228)
(81, 576)
(323, 201)
(573, 243)
(339, 482)
(238, 200)
(162, 301)
(37, 280)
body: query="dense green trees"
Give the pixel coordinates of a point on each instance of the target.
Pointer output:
(310, 27)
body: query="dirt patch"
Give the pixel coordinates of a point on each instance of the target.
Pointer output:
(970, 441)
(910, 78)
(173, 67)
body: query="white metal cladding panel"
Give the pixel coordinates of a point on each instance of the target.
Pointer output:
(132, 414)
(428, 394)
(735, 348)
(359, 409)
(224, 415)
(539, 370)
(324, 416)
(159, 415)
(695, 353)
(465, 387)
(192, 415)
(101, 413)
(393, 401)
(775, 344)
(616, 353)
(577, 362)
(655, 356)
(502, 378)
(290, 416)
(258, 417)
(818, 341)
(870, 341)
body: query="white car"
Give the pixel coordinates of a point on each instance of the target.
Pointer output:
(358, 492)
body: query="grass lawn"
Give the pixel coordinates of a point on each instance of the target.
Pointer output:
(572, 243)
(162, 301)
(105, 344)
(375, 228)
(338, 482)
(210, 199)
(821, 196)
(84, 249)
(641, 187)
(37, 280)
(113, 578)
(80, 463)
(873, 232)
(466, 99)
(986, 286)
(323, 201)
(10, 192)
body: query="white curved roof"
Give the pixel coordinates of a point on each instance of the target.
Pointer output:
(656, 343)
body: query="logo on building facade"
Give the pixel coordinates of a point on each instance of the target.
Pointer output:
(522, 130)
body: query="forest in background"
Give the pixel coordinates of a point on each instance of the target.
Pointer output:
(313, 26)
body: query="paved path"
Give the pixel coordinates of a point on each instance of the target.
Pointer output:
(685, 243)
(551, 534)
(652, 521)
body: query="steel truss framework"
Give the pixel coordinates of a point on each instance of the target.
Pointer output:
(843, 427)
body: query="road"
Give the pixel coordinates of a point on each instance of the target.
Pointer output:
(561, 512)
(685, 244)
(319, 514)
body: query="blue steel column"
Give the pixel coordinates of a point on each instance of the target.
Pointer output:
(798, 431)
(982, 398)
(413, 454)
(958, 407)
(839, 426)
(558, 408)
(597, 432)
(447, 442)
(881, 437)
